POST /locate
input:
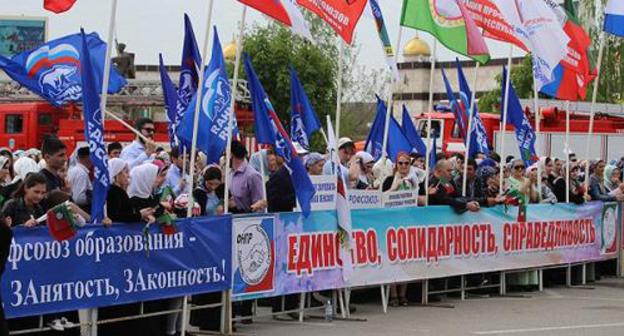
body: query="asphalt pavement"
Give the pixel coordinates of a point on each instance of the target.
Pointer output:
(595, 311)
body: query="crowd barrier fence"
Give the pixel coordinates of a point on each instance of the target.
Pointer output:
(260, 256)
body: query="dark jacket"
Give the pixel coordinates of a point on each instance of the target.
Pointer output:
(559, 189)
(119, 207)
(151, 202)
(280, 192)
(447, 194)
(19, 213)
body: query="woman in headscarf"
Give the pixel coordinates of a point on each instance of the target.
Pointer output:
(145, 183)
(118, 204)
(314, 163)
(5, 178)
(6, 152)
(597, 189)
(520, 185)
(22, 167)
(547, 196)
(210, 191)
(400, 180)
(577, 188)
(612, 179)
(361, 171)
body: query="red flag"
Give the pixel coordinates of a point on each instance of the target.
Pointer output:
(487, 16)
(58, 6)
(272, 8)
(341, 15)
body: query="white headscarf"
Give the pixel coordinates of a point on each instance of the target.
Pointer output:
(23, 166)
(115, 166)
(142, 180)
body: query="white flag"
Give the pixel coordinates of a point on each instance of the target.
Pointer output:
(536, 24)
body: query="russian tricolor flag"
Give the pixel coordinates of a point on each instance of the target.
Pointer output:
(614, 18)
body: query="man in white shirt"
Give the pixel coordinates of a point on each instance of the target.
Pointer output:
(78, 176)
(178, 184)
(139, 151)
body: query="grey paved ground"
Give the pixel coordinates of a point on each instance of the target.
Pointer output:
(556, 311)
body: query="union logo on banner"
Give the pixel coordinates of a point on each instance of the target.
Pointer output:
(254, 256)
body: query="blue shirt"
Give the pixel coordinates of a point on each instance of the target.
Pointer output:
(173, 181)
(134, 154)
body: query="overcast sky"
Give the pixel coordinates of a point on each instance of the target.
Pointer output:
(152, 26)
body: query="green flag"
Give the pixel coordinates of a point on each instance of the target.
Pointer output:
(450, 23)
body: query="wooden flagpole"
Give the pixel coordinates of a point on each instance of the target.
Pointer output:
(504, 126)
(430, 110)
(592, 109)
(198, 104)
(228, 154)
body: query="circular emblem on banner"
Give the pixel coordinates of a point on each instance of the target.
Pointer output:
(609, 222)
(446, 13)
(253, 254)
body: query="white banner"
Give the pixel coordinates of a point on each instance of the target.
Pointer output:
(400, 199)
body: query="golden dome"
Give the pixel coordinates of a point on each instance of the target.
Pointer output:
(229, 52)
(416, 47)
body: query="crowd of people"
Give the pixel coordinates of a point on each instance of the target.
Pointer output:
(34, 181)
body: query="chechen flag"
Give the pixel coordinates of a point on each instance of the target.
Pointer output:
(614, 18)
(283, 11)
(58, 6)
(343, 210)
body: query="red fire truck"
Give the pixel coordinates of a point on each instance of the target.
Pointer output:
(24, 125)
(607, 142)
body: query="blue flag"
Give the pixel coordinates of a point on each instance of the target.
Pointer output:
(215, 109)
(171, 99)
(374, 141)
(433, 155)
(269, 131)
(397, 141)
(94, 131)
(460, 117)
(303, 122)
(52, 70)
(189, 75)
(478, 135)
(412, 134)
(524, 132)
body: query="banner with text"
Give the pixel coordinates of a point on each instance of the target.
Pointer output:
(406, 244)
(117, 265)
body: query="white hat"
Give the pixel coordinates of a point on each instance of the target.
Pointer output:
(344, 141)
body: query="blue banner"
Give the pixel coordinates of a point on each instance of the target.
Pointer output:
(103, 267)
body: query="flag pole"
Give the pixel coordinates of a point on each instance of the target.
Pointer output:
(567, 151)
(393, 85)
(504, 126)
(470, 126)
(537, 133)
(430, 110)
(339, 89)
(107, 60)
(592, 110)
(228, 155)
(103, 98)
(198, 104)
